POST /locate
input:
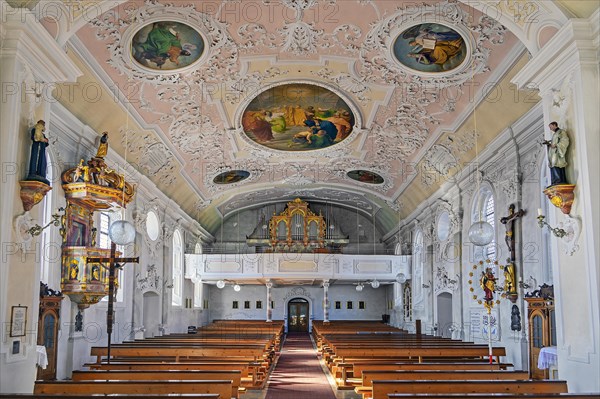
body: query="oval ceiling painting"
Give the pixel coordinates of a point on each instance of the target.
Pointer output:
(166, 45)
(297, 117)
(430, 47)
(365, 176)
(231, 176)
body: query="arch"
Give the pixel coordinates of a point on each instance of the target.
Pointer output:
(444, 314)
(418, 261)
(483, 208)
(299, 294)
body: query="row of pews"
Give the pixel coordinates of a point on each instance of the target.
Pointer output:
(221, 360)
(381, 362)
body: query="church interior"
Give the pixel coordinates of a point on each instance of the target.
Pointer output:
(228, 184)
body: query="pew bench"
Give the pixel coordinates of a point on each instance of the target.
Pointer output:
(369, 376)
(114, 395)
(119, 375)
(381, 388)
(67, 388)
(495, 396)
(358, 368)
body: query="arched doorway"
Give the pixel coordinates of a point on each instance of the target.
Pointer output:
(444, 314)
(298, 315)
(151, 313)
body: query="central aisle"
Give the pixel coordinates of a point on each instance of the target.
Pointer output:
(298, 374)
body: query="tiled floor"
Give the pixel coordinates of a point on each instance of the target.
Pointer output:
(338, 394)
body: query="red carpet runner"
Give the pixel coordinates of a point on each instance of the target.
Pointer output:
(298, 374)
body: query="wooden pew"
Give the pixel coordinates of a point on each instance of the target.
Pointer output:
(369, 376)
(177, 352)
(114, 395)
(381, 388)
(495, 396)
(360, 366)
(252, 373)
(120, 375)
(67, 388)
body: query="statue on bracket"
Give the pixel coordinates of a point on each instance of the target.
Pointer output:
(557, 154)
(559, 192)
(35, 186)
(37, 162)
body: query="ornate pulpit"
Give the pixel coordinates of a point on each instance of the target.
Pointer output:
(88, 188)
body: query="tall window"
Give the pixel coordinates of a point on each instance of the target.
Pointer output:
(490, 249)
(177, 298)
(105, 243)
(484, 210)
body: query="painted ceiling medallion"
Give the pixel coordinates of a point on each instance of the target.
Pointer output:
(430, 48)
(297, 117)
(365, 176)
(231, 176)
(167, 45)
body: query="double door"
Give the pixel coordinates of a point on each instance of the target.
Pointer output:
(298, 315)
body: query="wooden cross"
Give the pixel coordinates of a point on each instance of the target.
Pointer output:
(509, 222)
(112, 261)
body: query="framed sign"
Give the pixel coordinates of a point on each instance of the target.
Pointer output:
(18, 320)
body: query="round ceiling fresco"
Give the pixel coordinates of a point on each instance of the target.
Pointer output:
(430, 47)
(167, 45)
(231, 176)
(365, 176)
(297, 117)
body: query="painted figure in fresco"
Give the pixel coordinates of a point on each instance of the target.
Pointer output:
(557, 154)
(37, 163)
(162, 44)
(431, 47)
(320, 140)
(488, 283)
(256, 123)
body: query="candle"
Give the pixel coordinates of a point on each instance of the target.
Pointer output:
(539, 211)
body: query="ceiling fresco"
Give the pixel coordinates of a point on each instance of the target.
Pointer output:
(259, 101)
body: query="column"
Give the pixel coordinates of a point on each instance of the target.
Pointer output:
(31, 63)
(269, 285)
(326, 301)
(565, 72)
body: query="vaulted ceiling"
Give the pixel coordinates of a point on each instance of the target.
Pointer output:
(183, 120)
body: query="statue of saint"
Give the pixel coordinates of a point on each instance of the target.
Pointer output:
(37, 162)
(103, 147)
(557, 154)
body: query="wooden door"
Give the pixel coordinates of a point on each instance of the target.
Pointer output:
(298, 315)
(48, 324)
(536, 339)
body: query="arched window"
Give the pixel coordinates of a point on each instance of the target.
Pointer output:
(177, 297)
(104, 242)
(398, 249)
(484, 210)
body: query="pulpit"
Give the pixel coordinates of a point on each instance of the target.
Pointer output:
(89, 187)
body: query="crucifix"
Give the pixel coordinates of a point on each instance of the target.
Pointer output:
(510, 282)
(112, 261)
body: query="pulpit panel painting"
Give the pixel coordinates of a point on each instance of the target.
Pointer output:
(297, 117)
(166, 45)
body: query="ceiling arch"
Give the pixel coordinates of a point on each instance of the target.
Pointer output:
(195, 113)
